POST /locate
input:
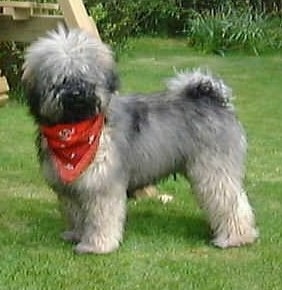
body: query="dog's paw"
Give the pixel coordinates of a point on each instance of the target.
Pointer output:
(104, 247)
(236, 241)
(70, 236)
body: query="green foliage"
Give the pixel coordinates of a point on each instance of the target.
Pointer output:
(119, 19)
(228, 28)
(11, 59)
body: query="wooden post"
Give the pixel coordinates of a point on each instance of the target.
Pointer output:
(76, 15)
(25, 21)
(4, 88)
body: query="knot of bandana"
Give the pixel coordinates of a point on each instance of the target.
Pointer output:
(73, 146)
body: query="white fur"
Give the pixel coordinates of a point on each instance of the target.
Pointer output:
(99, 213)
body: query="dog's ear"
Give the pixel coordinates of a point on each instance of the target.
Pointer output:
(33, 97)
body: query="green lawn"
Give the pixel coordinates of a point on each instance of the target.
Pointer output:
(165, 246)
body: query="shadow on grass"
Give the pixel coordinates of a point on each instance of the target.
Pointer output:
(36, 223)
(167, 225)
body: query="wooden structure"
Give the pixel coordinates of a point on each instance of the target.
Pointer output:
(24, 21)
(4, 88)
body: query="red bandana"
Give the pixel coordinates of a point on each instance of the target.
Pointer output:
(73, 146)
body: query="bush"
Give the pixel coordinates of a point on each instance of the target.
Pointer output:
(229, 28)
(11, 59)
(119, 19)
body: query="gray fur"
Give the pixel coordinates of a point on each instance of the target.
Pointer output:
(190, 128)
(66, 56)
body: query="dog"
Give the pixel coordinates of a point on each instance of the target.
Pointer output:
(96, 147)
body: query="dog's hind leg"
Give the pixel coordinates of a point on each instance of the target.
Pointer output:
(105, 214)
(219, 190)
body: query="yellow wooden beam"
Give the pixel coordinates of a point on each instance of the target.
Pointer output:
(3, 99)
(27, 30)
(23, 10)
(4, 87)
(30, 25)
(29, 5)
(76, 16)
(17, 13)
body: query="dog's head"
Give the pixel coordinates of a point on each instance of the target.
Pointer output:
(69, 76)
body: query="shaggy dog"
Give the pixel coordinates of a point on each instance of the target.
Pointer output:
(96, 147)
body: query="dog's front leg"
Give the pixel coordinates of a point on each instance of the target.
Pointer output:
(71, 211)
(105, 213)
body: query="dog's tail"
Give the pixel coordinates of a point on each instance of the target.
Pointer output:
(198, 85)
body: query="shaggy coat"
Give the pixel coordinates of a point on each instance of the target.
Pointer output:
(190, 128)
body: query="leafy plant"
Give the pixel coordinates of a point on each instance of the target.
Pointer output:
(11, 59)
(229, 28)
(119, 19)
(247, 30)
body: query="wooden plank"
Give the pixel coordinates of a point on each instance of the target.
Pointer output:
(76, 16)
(23, 10)
(29, 5)
(3, 99)
(17, 13)
(4, 87)
(17, 4)
(27, 30)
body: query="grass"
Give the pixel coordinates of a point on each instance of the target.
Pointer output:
(165, 246)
